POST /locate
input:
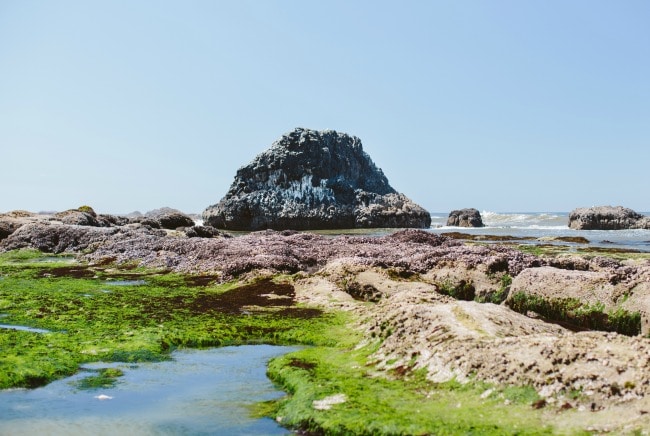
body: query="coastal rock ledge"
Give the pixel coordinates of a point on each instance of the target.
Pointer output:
(310, 180)
(607, 218)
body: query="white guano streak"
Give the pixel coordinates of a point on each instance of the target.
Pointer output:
(301, 190)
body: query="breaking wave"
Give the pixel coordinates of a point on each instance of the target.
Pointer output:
(525, 219)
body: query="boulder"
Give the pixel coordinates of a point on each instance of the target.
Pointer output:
(56, 238)
(106, 220)
(12, 221)
(77, 217)
(7, 226)
(167, 218)
(465, 218)
(203, 232)
(312, 179)
(607, 218)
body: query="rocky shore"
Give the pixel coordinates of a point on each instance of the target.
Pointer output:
(573, 327)
(607, 218)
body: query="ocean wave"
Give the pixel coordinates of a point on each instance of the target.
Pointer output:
(525, 219)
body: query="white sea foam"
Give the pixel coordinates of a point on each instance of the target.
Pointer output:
(546, 225)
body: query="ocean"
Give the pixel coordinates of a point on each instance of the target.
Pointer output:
(526, 227)
(544, 227)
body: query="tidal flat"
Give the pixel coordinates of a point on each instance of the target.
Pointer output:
(360, 369)
(83, 319)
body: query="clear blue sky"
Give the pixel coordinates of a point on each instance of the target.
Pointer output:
(499, 105)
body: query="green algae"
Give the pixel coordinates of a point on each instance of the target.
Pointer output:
(91, 321)
(371, 404)
(104, 378)
(576, 313)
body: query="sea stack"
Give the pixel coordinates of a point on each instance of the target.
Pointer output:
(607, 218)
(309, 180)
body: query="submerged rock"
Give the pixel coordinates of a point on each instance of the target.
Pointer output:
(312, 179)
(607, 218)
(465, 218)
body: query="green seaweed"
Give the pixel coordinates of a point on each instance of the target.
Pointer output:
(89, 320)
(463, 290)
(376, 405)
(574, 312)
(105, 378)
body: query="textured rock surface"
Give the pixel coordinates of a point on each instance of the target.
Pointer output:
(77, 217)
(312, 179)
(168, 218)
(56, 238)
(12, 221)
(607, 218)
(395, 284)
(203, 232)
(465, 218)
(163, 218)
(449, 339)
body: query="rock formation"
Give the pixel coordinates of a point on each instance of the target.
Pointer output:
(406, 288)
(74, 228)
(465, 218)
(607, 218)
(168, 218)
(312, 179)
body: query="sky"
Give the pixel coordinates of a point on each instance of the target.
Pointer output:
(496, 105)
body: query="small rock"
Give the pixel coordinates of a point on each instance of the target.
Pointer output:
(327, 402)
(465, 218)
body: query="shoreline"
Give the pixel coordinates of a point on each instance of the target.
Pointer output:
(422, 309)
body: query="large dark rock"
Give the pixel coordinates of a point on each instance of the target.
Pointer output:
(312, 179)
(465, 218)
(165, 218)
(607, 218)
(8, 226)
(204, 232)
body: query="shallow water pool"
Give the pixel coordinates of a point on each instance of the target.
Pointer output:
(197, 392)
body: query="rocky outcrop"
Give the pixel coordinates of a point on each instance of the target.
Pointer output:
(77, 217)
(164, 218)
(600, 294)
(607, 218)
(422, 330)
(8, 225)
(402, 286)
(312, 179)
(80, 229)
(465, 218)
(56, 238)
(12, 221)
(170, 218)
(203, 232)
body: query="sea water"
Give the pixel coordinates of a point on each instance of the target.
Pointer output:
(542, 227)
(197, 392)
